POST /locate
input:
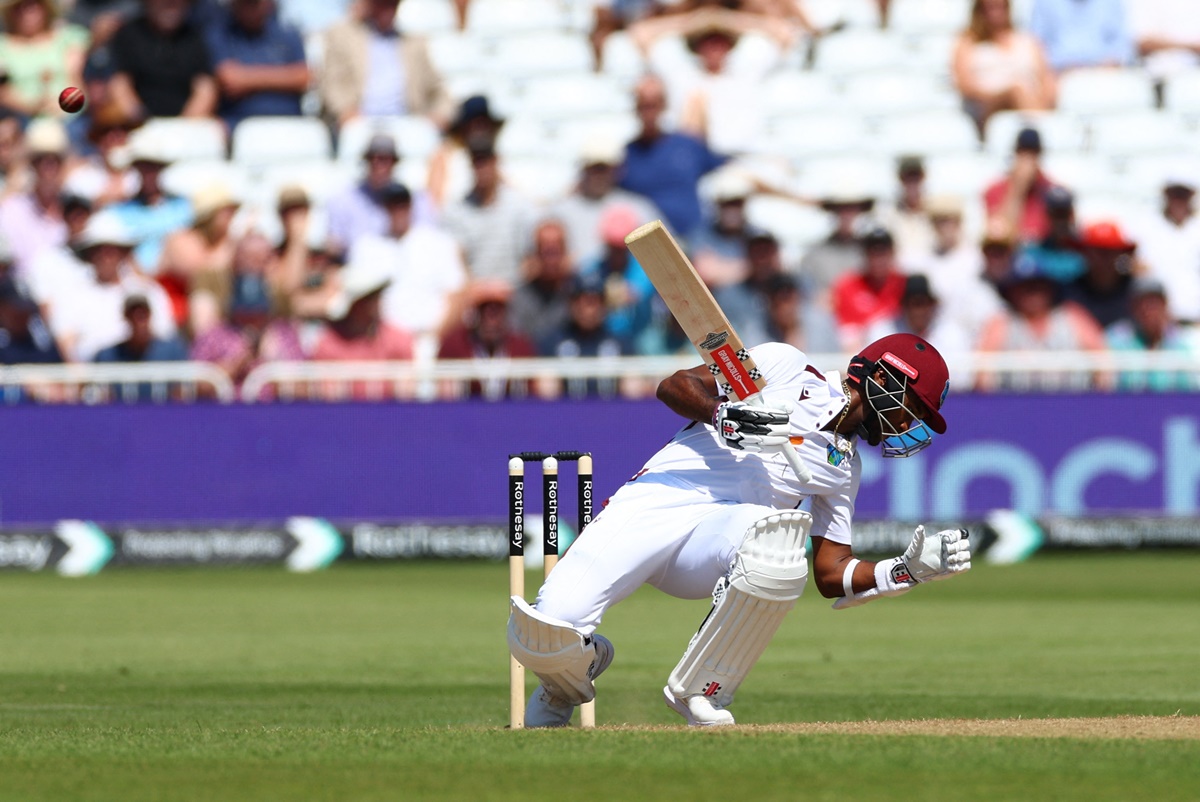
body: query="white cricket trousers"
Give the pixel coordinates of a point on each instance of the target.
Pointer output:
(677, 539)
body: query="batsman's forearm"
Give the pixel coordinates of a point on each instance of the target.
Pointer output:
(689, 396)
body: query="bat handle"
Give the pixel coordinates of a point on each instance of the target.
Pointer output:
(789, 451)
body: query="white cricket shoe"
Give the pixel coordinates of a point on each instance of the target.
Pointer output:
(698, 710)
(546, 710)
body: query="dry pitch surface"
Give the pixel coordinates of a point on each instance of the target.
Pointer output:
(1174, 728)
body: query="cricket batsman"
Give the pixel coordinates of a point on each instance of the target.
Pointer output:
(719, 511)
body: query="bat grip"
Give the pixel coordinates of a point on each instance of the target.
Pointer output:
(789, 452)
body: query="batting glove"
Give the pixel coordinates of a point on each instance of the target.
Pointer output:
(748, 427)
(927, 559)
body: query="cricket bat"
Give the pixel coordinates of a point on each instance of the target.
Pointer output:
(702, 320)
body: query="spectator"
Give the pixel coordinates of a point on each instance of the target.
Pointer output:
(610, 16)
(1103, 290)
(1036, 320)
(483, 335)
(76, 213)
(718, 245)
(841, 251)
(427, 270)
(791, 317)
(1149, 329)
(1167, 35)
(628, 291)
(24, 337)
(87, 316)
(663, 166)
(745, 303)
(11, 138)
(907, 218)
(372, 70)
(356, 331)
(359, 211)
(142, 345)
(304, 261)
(584, 333)
(475, 126)
(1169, 245)
(1019, 197)
(200, 256)
(152, 214)
(595, 194)
(40, 55)
(104, 177)
(996, 67)
(492, 223)
(313, 17)
(724, 106)
(148, 83)
(540, 304)
(258, 62)
(922, 314)
(873, 292)
(1061, 244)
(33, 220)
(1082, 33)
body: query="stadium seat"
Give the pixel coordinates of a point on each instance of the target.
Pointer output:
(425, 17)
(615, 126)
(858, 50)
(796, 225)
(964, 174)
(502, 18)
(807, 136)
(1083, 173)
(791, 93)
(524, 137)
(879, 94)
(185, 178)
(321, 179)
(854, 13)
(569, 95)
(416, 137)
(1147, 174)
(871, 176)
(621, 58)
(1120, 136)
(1060, 132)
(1103, 91)
(532, 55)
(188, 138)
(934, 132)
(540, 179)
(1182, 95)
(922, 17)
(269, 140)
(454, 53)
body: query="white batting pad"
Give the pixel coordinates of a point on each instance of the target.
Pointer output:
(768, 575)
(557, 652)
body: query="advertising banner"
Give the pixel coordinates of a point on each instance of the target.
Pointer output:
(178, 465)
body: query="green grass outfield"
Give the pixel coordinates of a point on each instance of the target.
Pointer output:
(390, 683)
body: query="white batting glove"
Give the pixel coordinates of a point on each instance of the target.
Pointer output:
(927, 559)
(750, 427)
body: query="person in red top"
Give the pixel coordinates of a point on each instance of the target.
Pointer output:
(355, 330)
(1020, 196)
(872, 294)
(486, 333)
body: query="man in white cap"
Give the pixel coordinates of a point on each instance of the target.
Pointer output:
(595, 193)
(88, 316)
(355, 329)
(152, 213)
(1169, 243)
(33, 220)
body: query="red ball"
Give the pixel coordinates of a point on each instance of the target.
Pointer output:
(71, 99)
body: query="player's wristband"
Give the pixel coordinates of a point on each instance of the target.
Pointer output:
(848, 577)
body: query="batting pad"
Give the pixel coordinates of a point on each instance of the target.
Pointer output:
(768, 575)
(557, 652)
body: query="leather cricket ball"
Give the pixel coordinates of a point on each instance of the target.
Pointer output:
(71, 99)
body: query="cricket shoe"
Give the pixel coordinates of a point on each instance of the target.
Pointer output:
(547, 710)
(698, 710)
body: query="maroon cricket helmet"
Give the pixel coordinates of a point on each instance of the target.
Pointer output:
(921, 366)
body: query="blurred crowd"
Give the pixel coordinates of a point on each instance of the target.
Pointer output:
(102, 260)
